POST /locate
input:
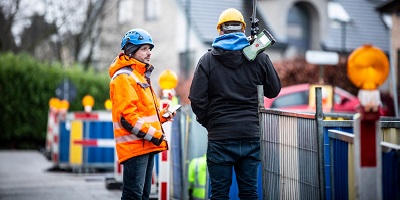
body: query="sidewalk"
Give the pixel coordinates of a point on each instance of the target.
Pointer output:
(27, 175)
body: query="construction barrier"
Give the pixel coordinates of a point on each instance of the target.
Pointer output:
(292, 155)
(343, 180)
(53, 130)
(82, 141)
(296, 153)
(390, 130)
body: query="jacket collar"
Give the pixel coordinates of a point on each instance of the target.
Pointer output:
(123, 60)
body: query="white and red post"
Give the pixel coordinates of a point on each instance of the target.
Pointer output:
(367, 138)
(165, 156)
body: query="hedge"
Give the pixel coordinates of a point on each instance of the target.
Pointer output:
(26, 86)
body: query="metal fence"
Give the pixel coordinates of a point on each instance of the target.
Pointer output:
(342, 159)
(289, 151)
(297, 155)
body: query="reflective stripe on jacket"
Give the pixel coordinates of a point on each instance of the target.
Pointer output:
(133, 99)
(197, 177)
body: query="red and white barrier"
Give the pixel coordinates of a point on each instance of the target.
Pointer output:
(96, 142)
(52, 135)
(95, 116)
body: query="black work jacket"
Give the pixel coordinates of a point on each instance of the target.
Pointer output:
(223, 93)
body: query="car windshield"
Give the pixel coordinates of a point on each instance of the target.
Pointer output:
(294, 99)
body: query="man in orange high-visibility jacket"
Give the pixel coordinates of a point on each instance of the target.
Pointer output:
(136, 115)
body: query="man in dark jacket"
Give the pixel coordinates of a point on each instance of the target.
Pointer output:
(223, 96)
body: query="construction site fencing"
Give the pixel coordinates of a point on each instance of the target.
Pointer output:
(342, 163)
(297, 153)
(290, 156)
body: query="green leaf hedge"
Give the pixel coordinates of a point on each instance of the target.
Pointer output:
(26, 86)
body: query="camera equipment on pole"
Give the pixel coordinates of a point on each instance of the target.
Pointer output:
(254, 22)
(258, 42)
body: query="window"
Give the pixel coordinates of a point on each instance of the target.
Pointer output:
(125, 8)
(152, 9)
(298, 27)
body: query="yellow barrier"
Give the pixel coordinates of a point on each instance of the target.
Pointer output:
(75, 153)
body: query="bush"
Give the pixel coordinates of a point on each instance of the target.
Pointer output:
(26, 86)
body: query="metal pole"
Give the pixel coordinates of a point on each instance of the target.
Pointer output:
(260, 92)
(393, 77)
(66, 89)
(260, 95)
(185, 160)
(343, 36)
(187, 55)
(321, 74)
(319, 117)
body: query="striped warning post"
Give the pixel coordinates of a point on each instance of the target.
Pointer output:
(164, 167)
(367, 149)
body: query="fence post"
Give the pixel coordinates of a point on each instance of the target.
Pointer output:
(260, 95)
(319, 117)
(367, 150)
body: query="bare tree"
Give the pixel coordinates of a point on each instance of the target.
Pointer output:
(77, 24)
(67, 30)
(8, 10)
(90, 30)
(296, 70)
(30, 38)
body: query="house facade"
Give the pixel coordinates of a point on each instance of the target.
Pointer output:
(183, 30)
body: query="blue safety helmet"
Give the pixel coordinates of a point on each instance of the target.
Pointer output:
(137, 37)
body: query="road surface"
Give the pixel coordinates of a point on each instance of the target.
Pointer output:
(28, 175)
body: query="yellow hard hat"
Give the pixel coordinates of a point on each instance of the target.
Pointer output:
(230, 15)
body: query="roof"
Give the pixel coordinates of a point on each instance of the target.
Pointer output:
(391, 6)
(365, 26)
(204, 16)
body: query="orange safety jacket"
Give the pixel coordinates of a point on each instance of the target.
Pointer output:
(133, 98)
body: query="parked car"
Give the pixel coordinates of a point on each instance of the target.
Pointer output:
(296, 98)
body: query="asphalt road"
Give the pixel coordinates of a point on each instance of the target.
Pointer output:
(28, 175)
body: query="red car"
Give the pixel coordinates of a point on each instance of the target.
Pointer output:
(296, 98)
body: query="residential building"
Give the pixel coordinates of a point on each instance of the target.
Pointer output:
(183, 30)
